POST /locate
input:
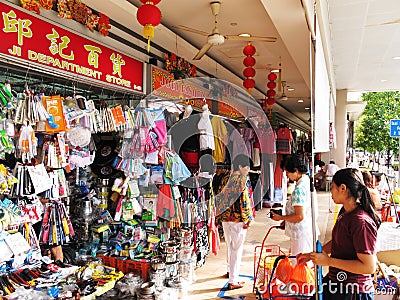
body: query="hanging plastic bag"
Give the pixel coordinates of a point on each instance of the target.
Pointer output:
(303, 273)
(175, 170)
(152, 143)
(152, 158)
(284, 270)
(143, 125)
(158, 124)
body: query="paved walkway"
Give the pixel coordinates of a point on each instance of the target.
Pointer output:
(210, 278)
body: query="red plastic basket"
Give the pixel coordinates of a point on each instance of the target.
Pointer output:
(121, 265)
(139, 267)
(127, 265)
(109, 261)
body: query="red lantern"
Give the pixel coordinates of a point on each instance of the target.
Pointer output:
(249, 72)
(271, 84)
(249, 61)
(249, 50)
(271, 101)
(249, 83)
(271, 93)
(272, 76)
(149, 16)
(153, 2)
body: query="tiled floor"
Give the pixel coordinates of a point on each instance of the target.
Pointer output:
(210, 278)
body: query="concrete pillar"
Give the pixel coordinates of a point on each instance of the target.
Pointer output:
(339, 154)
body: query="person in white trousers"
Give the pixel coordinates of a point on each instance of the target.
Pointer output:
(235, 212)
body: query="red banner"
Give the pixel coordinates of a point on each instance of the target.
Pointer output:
(164, 86)
(29, 38)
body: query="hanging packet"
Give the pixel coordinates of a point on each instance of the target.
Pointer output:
(156, 175)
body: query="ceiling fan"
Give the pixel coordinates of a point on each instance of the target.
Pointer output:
(215, 38)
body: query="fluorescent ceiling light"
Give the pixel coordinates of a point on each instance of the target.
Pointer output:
(307, 108)
(300, 100)
(275, 71)
(290, 89)
(245, 35)
(396, 57)
(383, 80)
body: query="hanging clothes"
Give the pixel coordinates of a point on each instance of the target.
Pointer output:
(165, 202)
(237, 145)
(247, 135)
(213, 234)
(220, 139)
(201, 243)
(278, 173)
(284, 140)
(265, 139)
(206, 131)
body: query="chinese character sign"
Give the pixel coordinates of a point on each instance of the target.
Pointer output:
(30, 38)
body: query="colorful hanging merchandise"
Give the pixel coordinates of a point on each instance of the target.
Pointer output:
(7, 99)
(56, 227)
(7, 180)
(143, 141)
(7, 134)
(27, 143)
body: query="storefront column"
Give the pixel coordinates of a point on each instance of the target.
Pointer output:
(339, 154)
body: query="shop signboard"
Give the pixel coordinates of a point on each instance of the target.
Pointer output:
(164, 86)
(193, 92)
(30, 38)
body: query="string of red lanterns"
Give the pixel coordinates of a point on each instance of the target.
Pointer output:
(271, 93)
(249, 61)
(149, 16)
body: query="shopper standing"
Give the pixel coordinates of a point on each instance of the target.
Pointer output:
(235, 213)
(352, 250)
(297, 218)
(373, 191)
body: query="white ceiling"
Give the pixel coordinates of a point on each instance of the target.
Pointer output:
(362, 37)
(365, 38)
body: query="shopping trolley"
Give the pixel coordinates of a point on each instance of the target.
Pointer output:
(266, 259)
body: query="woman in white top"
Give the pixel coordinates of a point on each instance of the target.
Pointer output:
(298, 218)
